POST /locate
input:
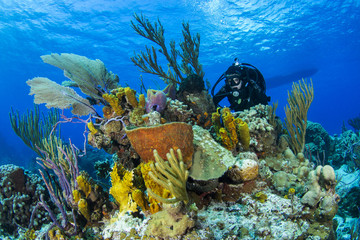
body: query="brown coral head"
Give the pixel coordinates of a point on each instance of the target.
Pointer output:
(176, 135)
(108, 112)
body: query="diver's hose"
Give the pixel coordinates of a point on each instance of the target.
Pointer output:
(217, 82)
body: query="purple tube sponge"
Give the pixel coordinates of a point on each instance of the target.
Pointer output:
(156, 101)
(170, 91)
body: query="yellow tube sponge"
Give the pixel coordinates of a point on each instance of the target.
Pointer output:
(225, 126)
(114, 103)
(92, 128)
(223, 134)
(243, 132)
(215, 119)
(84, 185)
(230, 126)
(119, 92)
(84, 209)
(141, 101)
(76, 196)
(131, 97)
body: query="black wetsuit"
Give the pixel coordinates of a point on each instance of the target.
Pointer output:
(249, 95)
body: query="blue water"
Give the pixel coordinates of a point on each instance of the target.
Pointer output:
(278, 37)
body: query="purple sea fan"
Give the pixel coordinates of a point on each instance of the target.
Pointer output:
(156, 101)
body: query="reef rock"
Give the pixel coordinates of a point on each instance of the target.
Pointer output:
(172, 222)
(321, 183)
(177, 111)
(210, 159)
(192, 92)
(346, 149)
(317, 139)
(245, 169)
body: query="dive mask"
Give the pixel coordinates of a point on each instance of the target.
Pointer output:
(234, 81)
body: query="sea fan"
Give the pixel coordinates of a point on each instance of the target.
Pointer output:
(91, 76)
(57, 96)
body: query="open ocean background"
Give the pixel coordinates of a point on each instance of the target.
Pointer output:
(285, 40)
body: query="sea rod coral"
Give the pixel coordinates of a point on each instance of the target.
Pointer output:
(299, 101)
(148, 62)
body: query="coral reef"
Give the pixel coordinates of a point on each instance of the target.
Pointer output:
(239, 179)
(177, 111)
(320, 181)
(192, 93)
(123, 109)
(191, 84)
(153, 119)
(355, 123)
(122, 103)
(347, 150)
(317, 140)
(79, 201)
(286, 171)
(251, 219)
(20, 192)
(102, 168)
(188, 74)
(348, 190)
(244, 170)
(263, 137)
(321, 195)
(91, 199)
(347, 219)
(110, 136)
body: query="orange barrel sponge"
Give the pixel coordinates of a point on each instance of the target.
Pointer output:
(176, 135)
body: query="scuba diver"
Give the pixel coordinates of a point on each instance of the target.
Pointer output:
(244, 87)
